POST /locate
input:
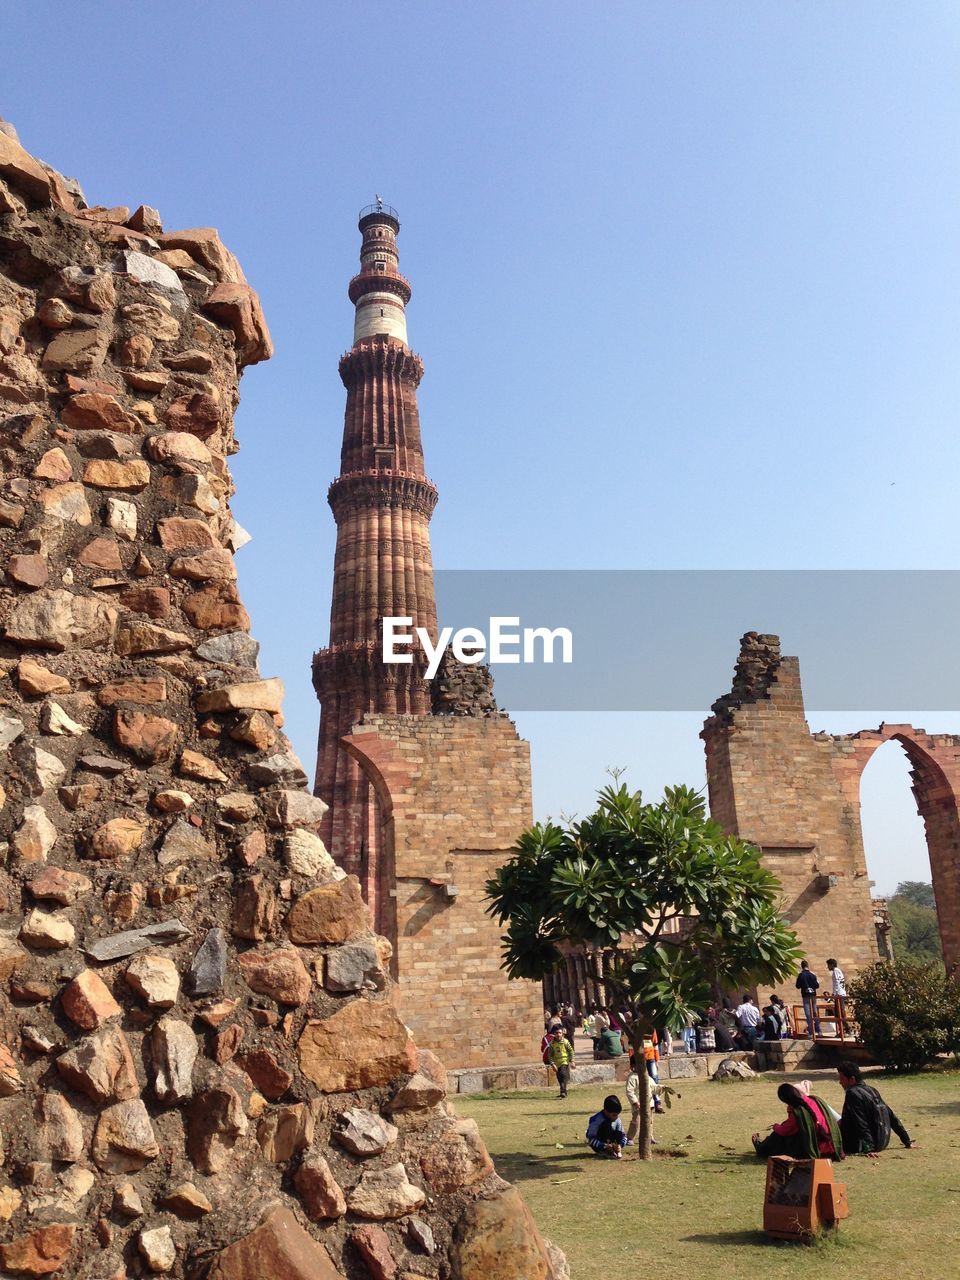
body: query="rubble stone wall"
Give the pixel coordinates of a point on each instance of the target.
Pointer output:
(454, 794)
(202, 1069)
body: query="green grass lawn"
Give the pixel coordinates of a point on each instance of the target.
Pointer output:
(703, 1212)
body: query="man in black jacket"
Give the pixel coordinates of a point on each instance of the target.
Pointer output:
(807, 985)
(866, 1120)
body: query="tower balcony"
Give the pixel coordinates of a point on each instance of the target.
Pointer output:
(350, 665)
(385, 488)
(379, 282)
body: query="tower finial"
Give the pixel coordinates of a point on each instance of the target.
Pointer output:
(379, 200)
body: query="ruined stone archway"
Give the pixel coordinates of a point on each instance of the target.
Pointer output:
(935, 773)
(796, 794)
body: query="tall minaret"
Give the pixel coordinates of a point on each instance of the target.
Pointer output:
(382, 502)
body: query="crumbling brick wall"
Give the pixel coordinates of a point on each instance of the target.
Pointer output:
(454, 795)
(797, 795)
(202, 1069)
(772, 782)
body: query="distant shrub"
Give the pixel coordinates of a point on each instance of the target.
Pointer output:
(908, 1013)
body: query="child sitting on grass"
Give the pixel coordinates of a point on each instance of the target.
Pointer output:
(605, 1133)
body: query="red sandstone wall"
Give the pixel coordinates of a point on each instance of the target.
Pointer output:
(797, 795)
(772, 782)
(455, 795)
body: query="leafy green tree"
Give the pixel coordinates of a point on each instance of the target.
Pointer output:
(919, 892)
(915, 932)
(908, 1013)
(619, 879)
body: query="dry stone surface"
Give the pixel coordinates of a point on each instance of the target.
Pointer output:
(199, 1046)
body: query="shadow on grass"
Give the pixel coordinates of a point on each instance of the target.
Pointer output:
(522, 1167)
(950, 1108)
(739, 1158)
(734, 1238)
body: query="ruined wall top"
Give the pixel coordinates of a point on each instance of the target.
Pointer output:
(757, 668)
(463, 689)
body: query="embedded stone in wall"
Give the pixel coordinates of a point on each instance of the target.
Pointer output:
(362, 1045)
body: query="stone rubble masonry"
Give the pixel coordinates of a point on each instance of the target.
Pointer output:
(167, 1059)
(796, 794)
(454, 793)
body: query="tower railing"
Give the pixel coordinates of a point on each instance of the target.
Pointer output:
(386, 209)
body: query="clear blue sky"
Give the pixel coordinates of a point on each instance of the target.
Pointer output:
(685, 284)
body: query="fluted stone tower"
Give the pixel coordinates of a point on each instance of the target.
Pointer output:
(382, 502)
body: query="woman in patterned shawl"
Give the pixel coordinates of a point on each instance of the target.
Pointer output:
(809, 1132)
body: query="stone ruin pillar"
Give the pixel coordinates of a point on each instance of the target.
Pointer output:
(202, 1070)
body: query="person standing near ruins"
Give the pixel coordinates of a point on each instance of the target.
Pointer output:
(808, 984)
(780, 1012)
(748, 1020)
(770, 1028)
(570, 1022)
(839, 984)
(634, 1096)
(561, 1057)
(651, 1060)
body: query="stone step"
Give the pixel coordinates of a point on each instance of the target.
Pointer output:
(792, 1055)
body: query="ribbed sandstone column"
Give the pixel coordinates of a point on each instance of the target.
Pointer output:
(382, 502)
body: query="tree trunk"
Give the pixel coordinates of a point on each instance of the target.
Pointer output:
(644, 1145)
(645, 1136)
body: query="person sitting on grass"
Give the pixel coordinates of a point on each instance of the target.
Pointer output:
(809, 1132)
(605, 1133)
(867, 1120)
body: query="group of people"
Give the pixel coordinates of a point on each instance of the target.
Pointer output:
(732, 1028)
(606, 1135)
(608, 1032)
(808, 984)
(742, 1027)
(605, 1029)
(813, 1129)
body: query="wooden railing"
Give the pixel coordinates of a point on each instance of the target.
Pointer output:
(828, 1025)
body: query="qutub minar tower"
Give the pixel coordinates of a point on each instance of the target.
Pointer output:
(382, 502)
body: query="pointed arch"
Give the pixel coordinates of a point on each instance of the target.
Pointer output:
(935, 774)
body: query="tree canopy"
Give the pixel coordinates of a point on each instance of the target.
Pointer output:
(919, 892)
(620, 877)
(913, 917)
